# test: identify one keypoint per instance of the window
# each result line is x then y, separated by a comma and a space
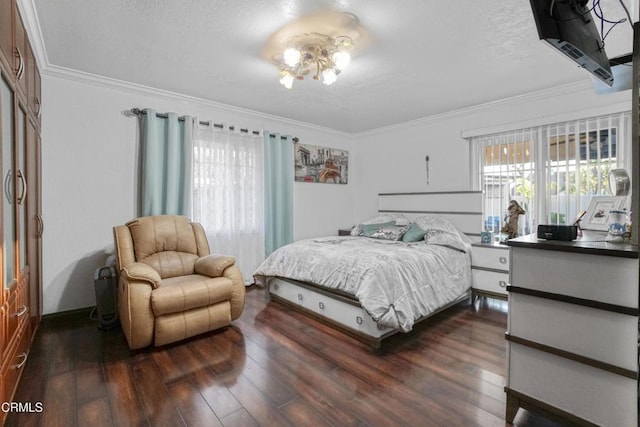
570, 162
228, 193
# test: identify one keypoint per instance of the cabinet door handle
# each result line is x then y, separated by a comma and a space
24, 360
7, 187
20, 70
503, 260
38, 107
502, 284
24, 187
22, 311
39, 225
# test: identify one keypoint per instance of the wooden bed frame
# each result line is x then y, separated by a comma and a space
343, 312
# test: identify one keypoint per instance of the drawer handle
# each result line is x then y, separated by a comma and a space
503, 260
22, 311
276, 286
359, 320
24, 360
502, 284
321, 305
300, 297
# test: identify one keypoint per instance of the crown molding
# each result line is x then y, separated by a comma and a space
527, 97
32, 27
110, 83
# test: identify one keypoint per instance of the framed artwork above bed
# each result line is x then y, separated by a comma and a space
314, 163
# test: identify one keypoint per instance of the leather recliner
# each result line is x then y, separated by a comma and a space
170, 287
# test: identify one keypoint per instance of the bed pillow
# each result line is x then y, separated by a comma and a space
435, 222
368, 229
440, 231
413, 234
394, 232
445, 238
398, 219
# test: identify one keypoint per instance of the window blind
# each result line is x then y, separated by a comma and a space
552, 170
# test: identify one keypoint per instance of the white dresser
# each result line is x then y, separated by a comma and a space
490, 269
572, 331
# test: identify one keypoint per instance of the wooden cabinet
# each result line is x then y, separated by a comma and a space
34, 88
6, 33
21, 223
20, 51
572, 330
490, 269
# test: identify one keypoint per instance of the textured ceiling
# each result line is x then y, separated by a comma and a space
421, 57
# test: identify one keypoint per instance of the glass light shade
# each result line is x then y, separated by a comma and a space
286, 79
292, 56
341, 59
329, 76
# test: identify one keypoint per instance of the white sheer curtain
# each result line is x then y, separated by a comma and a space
228, 193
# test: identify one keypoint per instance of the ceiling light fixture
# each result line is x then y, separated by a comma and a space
322, 56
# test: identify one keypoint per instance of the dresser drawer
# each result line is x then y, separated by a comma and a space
488, 256
598, 396
596, 334
343, 313
11, 307
606, 279
16, 360
490, 281
17, 310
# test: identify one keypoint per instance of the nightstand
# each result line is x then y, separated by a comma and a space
344, 232
490, 269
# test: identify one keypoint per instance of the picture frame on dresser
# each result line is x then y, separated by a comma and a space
597, 216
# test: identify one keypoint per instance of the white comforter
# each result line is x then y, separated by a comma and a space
395, 282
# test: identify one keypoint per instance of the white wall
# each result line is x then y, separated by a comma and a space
89, 158
393, 159
89, 173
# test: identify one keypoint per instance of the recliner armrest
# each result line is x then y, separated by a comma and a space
213, 265
144, 272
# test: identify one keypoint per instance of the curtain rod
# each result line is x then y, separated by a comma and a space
138, 111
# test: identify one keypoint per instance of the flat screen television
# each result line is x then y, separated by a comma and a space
568, 26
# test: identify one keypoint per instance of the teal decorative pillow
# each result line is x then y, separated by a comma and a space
413, 234
368, 229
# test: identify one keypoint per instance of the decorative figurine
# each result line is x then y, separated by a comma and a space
510, 227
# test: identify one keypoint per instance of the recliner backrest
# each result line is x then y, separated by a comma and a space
170, 244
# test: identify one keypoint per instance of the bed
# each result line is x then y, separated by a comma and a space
384, 277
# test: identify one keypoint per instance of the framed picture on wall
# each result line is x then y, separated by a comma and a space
597, 216
321, 164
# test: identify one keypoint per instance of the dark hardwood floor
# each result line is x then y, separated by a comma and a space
273, 367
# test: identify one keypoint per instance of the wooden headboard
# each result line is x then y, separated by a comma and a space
462, 208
